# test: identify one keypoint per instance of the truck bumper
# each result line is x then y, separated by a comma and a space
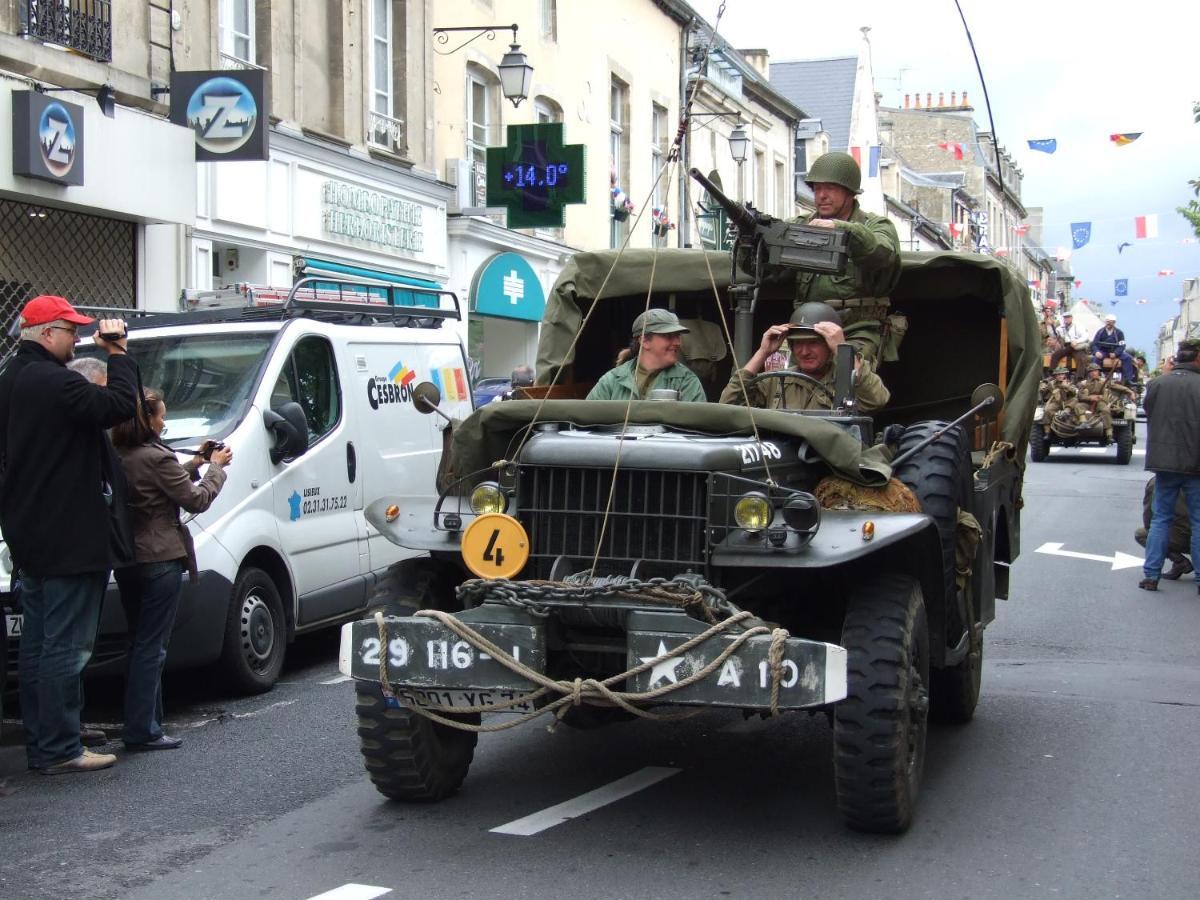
426, 663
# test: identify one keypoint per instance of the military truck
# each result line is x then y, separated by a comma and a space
1067, 428
593, 560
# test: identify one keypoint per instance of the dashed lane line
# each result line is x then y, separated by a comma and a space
353, 892
586, 803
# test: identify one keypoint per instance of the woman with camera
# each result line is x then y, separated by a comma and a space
159, 487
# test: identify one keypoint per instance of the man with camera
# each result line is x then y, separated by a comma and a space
55, 515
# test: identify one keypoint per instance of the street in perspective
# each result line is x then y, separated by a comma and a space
672, 449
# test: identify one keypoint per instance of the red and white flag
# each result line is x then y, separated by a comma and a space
1022, 229
1146, 226
956, 229
1166, 271
953, 147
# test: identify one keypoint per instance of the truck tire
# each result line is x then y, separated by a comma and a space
255, 634
407, 756
954, 690
1124, 436
1038, 444
879, 729
939, 476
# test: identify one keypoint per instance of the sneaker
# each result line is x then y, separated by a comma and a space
1180, 566
85, 762
94, 737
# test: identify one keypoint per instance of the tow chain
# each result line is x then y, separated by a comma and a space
590, 691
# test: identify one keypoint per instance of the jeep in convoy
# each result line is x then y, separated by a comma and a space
592, 560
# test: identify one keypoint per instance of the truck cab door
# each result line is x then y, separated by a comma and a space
318, 495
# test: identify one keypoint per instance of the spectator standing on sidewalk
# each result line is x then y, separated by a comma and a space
54, 512
158, 488
1173, 453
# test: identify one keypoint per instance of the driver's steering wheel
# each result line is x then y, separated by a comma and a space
792, 373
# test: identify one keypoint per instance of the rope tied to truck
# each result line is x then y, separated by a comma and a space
589, 691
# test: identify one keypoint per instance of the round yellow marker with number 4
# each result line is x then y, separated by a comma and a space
495, 546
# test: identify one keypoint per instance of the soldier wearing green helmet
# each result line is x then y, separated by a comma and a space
862, 294
813, 333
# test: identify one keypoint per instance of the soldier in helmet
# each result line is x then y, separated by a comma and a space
861, 295
1092, 398
814, 333
653, 362
1063, 395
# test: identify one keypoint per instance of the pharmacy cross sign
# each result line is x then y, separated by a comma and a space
535, 175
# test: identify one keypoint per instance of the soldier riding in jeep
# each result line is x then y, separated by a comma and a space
589, 560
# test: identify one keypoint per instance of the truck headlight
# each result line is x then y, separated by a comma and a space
752, 512
488, 498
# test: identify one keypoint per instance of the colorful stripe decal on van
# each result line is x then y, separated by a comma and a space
401, 374
452, 383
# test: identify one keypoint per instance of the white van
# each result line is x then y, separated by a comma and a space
315, 399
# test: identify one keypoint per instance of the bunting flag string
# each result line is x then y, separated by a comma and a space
1124, 138
1145, 226
1165, 272
1044, 145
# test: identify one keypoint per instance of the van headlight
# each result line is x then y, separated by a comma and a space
753, 512
488, 498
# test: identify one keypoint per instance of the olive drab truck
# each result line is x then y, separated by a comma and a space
592, 560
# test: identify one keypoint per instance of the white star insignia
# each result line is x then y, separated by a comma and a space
666, 668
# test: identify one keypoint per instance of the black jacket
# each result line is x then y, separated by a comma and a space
1173, 421
1102, 342
52, 420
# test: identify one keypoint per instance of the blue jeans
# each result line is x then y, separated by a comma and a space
150, 596
1167, 486
62, 616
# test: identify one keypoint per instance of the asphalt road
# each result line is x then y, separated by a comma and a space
1077, 778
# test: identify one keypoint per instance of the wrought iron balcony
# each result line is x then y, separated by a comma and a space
386, 131
230, 63
84, 26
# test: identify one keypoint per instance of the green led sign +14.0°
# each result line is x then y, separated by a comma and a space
535, 175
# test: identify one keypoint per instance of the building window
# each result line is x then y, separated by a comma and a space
760, 179
782, 207
658, 152
618, 136
384, 129
546, 110
549, 19
237, 32
481, 101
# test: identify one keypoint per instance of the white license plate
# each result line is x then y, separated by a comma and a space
15, 621
451, 698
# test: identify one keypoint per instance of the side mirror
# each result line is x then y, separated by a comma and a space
290, 428
993, 397
426, 398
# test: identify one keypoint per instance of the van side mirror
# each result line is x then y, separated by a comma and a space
290, 428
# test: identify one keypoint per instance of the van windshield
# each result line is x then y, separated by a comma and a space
206, 379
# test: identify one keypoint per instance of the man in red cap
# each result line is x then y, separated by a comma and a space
54, 513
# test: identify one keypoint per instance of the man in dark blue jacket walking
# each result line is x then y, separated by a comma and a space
54, 513
1173, 453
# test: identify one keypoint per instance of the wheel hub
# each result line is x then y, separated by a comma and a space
258, 630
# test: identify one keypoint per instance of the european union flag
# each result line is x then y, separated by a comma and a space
1121, 287
1046, 145
1081, 233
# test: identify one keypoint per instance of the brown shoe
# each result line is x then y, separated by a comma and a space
1179, 567
92, 737
85, 762
1148, 584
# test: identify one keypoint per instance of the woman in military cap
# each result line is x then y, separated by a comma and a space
653, 362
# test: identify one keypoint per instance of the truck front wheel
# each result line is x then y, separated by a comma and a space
879, 729
1124, 435
407, 756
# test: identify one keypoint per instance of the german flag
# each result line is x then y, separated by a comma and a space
1126, 138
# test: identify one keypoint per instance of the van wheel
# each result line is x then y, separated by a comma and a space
255, 634
407, 756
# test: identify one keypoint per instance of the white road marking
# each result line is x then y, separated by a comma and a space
1118, 560
353, 892
244, 715
586, 803
338, 680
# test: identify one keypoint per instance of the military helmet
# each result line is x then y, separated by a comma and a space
1062, 370
836, 168
807, 315
1093, 367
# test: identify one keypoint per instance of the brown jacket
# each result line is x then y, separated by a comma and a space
158, 488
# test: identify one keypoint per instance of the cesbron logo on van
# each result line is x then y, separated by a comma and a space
395, 388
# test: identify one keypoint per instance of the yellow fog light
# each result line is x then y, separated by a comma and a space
752, 512
488, 498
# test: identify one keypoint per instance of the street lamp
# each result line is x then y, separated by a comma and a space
516, 74
739, 143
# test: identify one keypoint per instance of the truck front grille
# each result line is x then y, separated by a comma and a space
656, 516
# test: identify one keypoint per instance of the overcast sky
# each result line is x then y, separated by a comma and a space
1067, 69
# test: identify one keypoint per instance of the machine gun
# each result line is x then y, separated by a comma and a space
767, 245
